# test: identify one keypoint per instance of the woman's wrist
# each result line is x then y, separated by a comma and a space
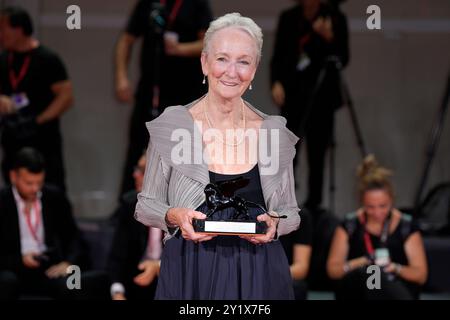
354, 264
170, 219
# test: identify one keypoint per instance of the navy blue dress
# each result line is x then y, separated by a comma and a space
226, 267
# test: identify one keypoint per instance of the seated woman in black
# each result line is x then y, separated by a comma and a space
377, 234
298, 248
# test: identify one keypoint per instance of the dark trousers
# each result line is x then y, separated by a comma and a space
354, 287
34, 284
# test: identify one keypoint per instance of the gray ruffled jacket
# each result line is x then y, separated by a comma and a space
170, 184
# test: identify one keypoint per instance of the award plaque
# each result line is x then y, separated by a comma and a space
220, 196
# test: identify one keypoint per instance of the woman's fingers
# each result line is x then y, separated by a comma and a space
263, 238
188, 231
206, 238
258, 239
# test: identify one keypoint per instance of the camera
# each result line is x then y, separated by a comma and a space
42, 258
158, 18
18, 129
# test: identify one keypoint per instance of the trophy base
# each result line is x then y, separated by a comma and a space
229, 227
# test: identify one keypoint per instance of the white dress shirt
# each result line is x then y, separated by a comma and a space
31, 240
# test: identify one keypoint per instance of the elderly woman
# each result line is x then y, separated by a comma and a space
201, 266
377, 234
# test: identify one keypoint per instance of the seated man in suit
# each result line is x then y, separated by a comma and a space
39, 239
136, 248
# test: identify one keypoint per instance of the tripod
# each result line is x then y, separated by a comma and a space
346, 101
431, 150
157, 24
334, 63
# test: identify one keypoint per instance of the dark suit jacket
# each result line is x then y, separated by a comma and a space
129, 242
62, 236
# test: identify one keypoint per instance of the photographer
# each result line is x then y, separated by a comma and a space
172, 34
377, 234
34, 93
307, 35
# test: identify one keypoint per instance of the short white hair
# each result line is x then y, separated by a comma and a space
235, 20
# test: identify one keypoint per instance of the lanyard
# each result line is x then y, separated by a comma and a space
15, 80
303, 41
174, 12
33, 228
383, 238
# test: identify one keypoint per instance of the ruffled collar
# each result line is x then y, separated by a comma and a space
176, 124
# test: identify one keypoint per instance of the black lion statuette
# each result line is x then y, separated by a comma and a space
221, 195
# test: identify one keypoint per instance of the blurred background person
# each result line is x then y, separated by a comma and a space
136, 249
298, 247
307, 36
34, 93
170, 73
39, 238
377, 233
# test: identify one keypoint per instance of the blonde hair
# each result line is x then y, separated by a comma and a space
372, 176
235, 20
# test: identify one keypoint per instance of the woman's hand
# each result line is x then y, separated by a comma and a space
269, 235
392, 267
182, 217
357, 263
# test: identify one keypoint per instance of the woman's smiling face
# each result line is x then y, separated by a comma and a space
230, 62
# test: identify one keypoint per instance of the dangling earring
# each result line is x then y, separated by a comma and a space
204, 79
250, 87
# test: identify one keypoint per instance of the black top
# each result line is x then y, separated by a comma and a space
395, 241
251, 192
293, 28
45, 69
303, 235
193, 16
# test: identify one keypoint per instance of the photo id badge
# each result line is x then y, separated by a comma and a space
382, 257
303, 62
20, 100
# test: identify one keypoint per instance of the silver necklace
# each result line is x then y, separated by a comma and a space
221, 140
